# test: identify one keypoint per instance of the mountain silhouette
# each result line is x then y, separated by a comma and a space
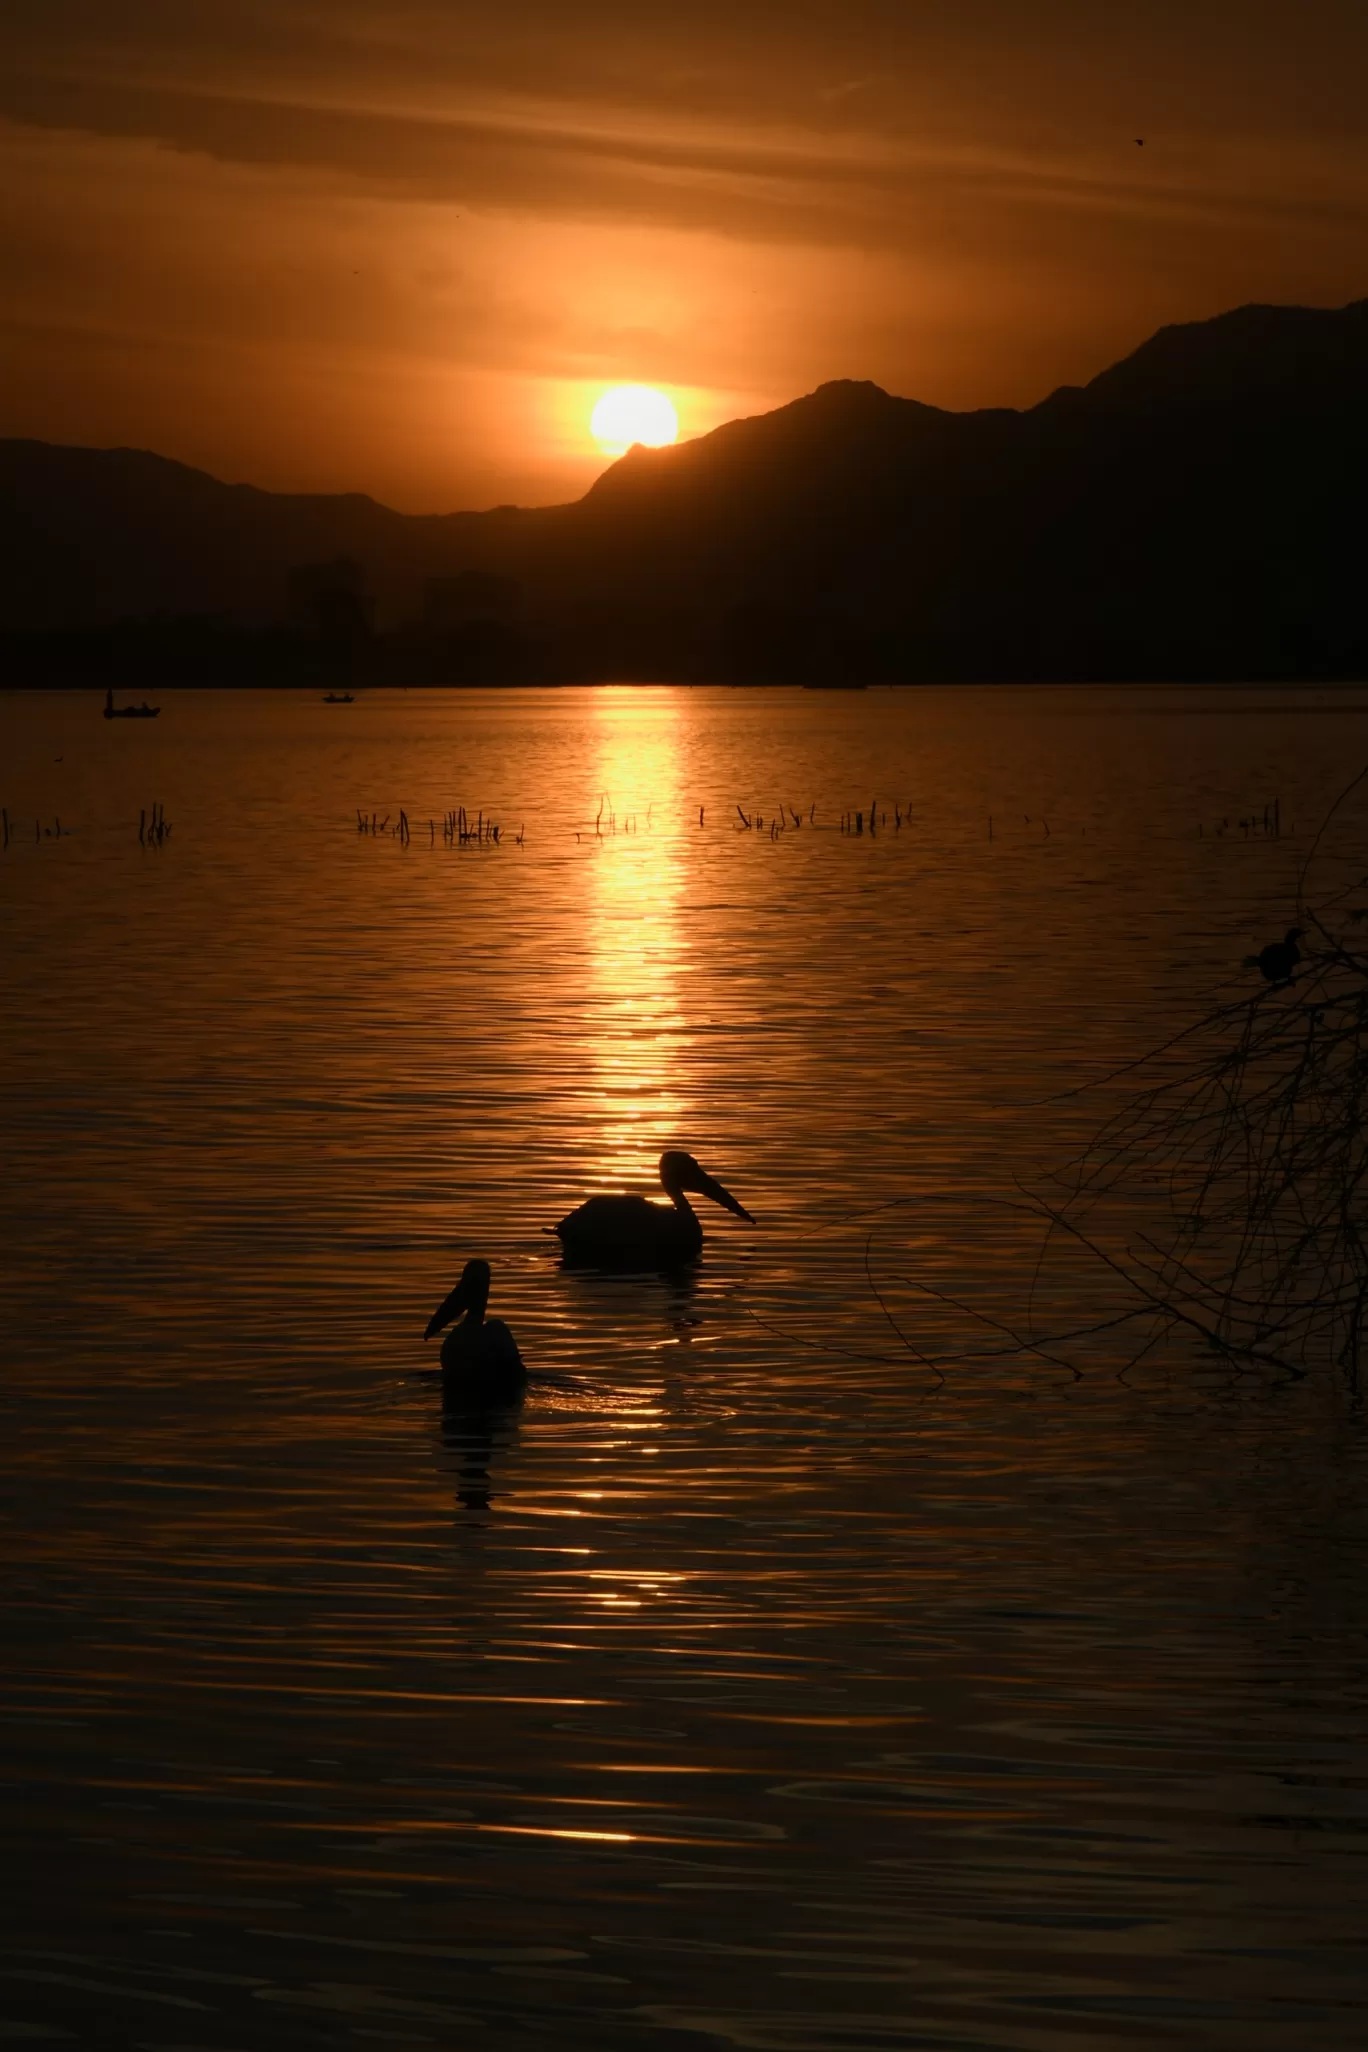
1196, 511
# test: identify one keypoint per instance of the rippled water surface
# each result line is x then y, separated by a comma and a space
794, 1670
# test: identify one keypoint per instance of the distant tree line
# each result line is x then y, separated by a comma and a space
477, 627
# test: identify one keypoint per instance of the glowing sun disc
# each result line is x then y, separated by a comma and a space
633, 413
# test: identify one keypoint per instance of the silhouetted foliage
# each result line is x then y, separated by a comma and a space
473, 597
1246, 1143
329, 600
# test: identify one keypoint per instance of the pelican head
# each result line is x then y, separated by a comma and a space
470, 1295
680, 1172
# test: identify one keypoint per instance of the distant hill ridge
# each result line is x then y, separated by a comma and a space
1197, 510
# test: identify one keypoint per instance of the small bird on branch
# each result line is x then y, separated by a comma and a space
1276, 962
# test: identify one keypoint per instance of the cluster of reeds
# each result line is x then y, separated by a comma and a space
153, 826
755, 822
855, 822
1026, 821
55, 832
1265, 825
606, 820
785, 816
460, 829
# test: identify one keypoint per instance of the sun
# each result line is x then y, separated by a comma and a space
633, 413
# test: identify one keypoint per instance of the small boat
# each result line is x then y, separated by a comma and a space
338, 698
129, 712
480, 1359
631, 1232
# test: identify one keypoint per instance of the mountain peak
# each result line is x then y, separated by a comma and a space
850, 392
1238, 356
1197, 510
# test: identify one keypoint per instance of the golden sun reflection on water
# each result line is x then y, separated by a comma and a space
635, 949
746, 1624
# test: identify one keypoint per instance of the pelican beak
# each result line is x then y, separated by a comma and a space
451, 1307
708, 1186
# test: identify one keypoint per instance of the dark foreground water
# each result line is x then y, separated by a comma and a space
789, 1673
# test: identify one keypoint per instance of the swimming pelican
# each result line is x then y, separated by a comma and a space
633, 1232
480, 1355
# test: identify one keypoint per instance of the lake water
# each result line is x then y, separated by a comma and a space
776, 1678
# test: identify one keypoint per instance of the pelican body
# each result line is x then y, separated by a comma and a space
480, 1357
634, 1232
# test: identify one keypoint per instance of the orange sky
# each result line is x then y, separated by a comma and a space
346, 245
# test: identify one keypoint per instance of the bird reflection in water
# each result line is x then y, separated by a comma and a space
475, 1435
603, 1297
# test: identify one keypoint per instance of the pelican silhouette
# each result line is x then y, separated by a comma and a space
1277, 961
481, 1355
633, 1232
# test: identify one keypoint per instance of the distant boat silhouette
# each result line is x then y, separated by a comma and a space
129, 712
1277, 961
630, 1232
480, 1358
338, 698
